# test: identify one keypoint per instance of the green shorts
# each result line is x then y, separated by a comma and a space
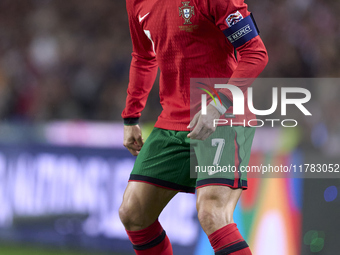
170, 160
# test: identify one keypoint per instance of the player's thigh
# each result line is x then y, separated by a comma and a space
147, 198
142, 204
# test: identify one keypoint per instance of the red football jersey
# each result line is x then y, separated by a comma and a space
185, 40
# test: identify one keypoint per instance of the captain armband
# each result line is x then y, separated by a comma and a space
242, 32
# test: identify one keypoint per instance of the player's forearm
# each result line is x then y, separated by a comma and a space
143, 73
253, 59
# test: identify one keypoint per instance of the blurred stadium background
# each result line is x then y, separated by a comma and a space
63, 77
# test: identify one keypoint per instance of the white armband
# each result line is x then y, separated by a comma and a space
220, 108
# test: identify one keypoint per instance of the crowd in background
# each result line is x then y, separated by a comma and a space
63, 60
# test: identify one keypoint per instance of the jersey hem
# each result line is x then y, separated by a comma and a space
172, 126
169, 125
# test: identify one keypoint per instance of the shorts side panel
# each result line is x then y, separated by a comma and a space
244, 140
221, 156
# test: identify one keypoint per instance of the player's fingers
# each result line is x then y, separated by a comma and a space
133, 146
205, 135
205, 132
134, 152
128, 141
139, 141
201, 134
194, 120
195, 132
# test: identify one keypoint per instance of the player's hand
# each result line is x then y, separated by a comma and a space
203, 124
133, 140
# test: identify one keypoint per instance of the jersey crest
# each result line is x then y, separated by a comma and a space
186, 12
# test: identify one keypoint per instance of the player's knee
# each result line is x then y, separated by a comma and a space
207, 218
130, 217
124, 214
212, 212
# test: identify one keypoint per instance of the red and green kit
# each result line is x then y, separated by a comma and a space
184, 40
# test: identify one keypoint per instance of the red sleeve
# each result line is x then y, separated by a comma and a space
252, 56
253, 59
143, 68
